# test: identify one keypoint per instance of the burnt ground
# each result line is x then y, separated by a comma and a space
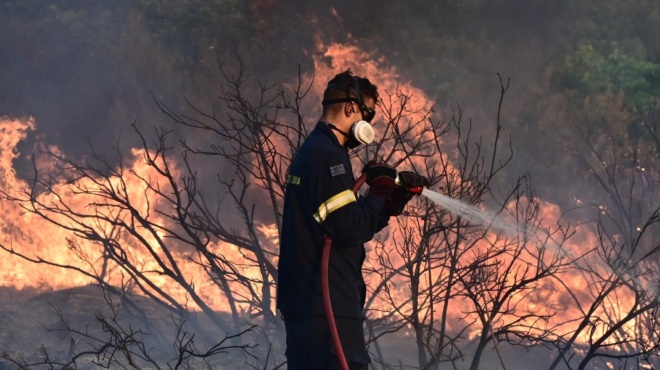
34, 324
31, 323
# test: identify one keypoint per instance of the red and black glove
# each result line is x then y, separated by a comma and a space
381, 179
402, 195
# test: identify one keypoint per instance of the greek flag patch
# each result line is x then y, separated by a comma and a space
337, 170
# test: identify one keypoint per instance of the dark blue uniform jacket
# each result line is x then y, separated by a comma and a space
319, 201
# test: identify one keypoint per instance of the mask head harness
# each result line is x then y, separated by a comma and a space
361, 132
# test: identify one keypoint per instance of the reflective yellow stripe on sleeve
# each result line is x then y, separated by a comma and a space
333, 204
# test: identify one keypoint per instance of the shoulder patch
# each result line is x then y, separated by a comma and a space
293, 180
337, 170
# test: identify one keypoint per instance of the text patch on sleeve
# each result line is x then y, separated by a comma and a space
337, 170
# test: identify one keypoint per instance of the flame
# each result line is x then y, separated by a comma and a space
36, 238
24, 230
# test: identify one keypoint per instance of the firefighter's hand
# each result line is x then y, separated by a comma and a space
410, 180
397, 202
381, 179
403, 194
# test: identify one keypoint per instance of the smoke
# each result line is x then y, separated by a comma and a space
86, 71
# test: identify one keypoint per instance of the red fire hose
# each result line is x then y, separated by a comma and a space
325, 283
325, 288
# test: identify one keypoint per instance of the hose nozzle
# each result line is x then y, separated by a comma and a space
412, 182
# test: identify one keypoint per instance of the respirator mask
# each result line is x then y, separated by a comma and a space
361, 131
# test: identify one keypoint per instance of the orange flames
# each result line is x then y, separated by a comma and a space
36, 238
25, 231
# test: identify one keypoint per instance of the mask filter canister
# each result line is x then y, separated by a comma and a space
363, 132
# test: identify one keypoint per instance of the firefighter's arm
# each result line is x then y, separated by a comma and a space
341, 216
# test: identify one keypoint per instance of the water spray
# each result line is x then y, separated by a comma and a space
469, 212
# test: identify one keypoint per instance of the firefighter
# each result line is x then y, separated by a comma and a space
319, 202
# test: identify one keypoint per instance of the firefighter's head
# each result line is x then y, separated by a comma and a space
349, 105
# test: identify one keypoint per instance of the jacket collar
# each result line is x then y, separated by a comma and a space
324, 128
